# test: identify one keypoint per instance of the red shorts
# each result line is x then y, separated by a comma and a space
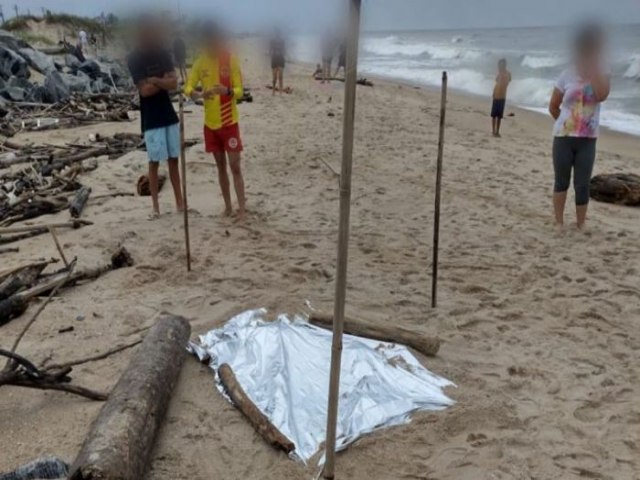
225, 139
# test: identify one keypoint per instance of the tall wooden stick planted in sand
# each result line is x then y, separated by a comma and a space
183, 165
436, 217
351, 78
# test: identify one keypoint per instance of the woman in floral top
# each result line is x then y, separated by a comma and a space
575, 105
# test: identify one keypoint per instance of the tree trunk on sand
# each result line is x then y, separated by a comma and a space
424, 344
121, 438
619, 188
258, 420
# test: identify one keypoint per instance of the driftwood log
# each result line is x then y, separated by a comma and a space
258, 420
618, 188
121, 438
79, 201
424, 344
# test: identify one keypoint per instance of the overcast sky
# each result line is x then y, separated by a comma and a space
378, 14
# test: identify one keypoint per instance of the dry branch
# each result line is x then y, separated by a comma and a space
258, 420
424, 344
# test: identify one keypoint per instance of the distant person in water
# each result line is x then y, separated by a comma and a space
277, 50
575, 105
342, 59
153, 73
217, 72
180, 56
503, 79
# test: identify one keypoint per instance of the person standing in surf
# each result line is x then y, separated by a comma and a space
217, 72
575, 106
503, 79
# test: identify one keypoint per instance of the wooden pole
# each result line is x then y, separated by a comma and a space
183, 164
351, 77
436, 217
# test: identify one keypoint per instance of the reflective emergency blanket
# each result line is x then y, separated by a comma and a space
283, 366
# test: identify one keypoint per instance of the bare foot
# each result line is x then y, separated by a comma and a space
228, 212
241, 215
559, 228
155, 215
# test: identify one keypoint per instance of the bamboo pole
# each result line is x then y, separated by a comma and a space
436, 217
351, 77
183, 164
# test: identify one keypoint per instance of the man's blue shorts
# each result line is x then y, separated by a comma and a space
163, 143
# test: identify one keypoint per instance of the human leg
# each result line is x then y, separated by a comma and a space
563, 159
582, 172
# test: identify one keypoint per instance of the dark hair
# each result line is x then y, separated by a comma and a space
502, 61
588, 38
211, 31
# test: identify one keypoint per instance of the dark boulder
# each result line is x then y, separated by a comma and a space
14, 94
57, 88
12, 64
37, 60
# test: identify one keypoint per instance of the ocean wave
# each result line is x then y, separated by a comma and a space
536, 62
633, 71
392, 46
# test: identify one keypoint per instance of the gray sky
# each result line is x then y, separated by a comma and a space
378, 14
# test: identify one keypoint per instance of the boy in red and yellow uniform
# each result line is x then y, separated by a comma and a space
217, 71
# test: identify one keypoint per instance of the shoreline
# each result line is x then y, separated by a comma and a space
607, 134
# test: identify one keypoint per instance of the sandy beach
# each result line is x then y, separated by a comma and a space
540, 330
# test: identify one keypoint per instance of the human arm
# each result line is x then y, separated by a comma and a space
601, 84
168, 82
193, 79
556, 101
237, 89
145, 88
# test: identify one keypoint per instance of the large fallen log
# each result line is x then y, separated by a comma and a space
258, 420
617, 188
120, 440
422, 343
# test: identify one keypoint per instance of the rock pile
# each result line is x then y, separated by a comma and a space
63, 76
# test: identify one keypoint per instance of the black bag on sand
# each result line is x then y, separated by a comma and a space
49, 468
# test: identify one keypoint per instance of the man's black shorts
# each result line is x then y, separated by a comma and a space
497, 110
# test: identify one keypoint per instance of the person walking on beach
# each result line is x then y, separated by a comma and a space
277, 50
180, 56
575, 105
217, 71
153, 73
503, 79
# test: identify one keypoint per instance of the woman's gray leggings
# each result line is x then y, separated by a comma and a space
577, 154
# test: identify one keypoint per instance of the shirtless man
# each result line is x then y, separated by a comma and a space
500, 96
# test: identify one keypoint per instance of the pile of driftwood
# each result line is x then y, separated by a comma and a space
49, 183
21, 285
79, 109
